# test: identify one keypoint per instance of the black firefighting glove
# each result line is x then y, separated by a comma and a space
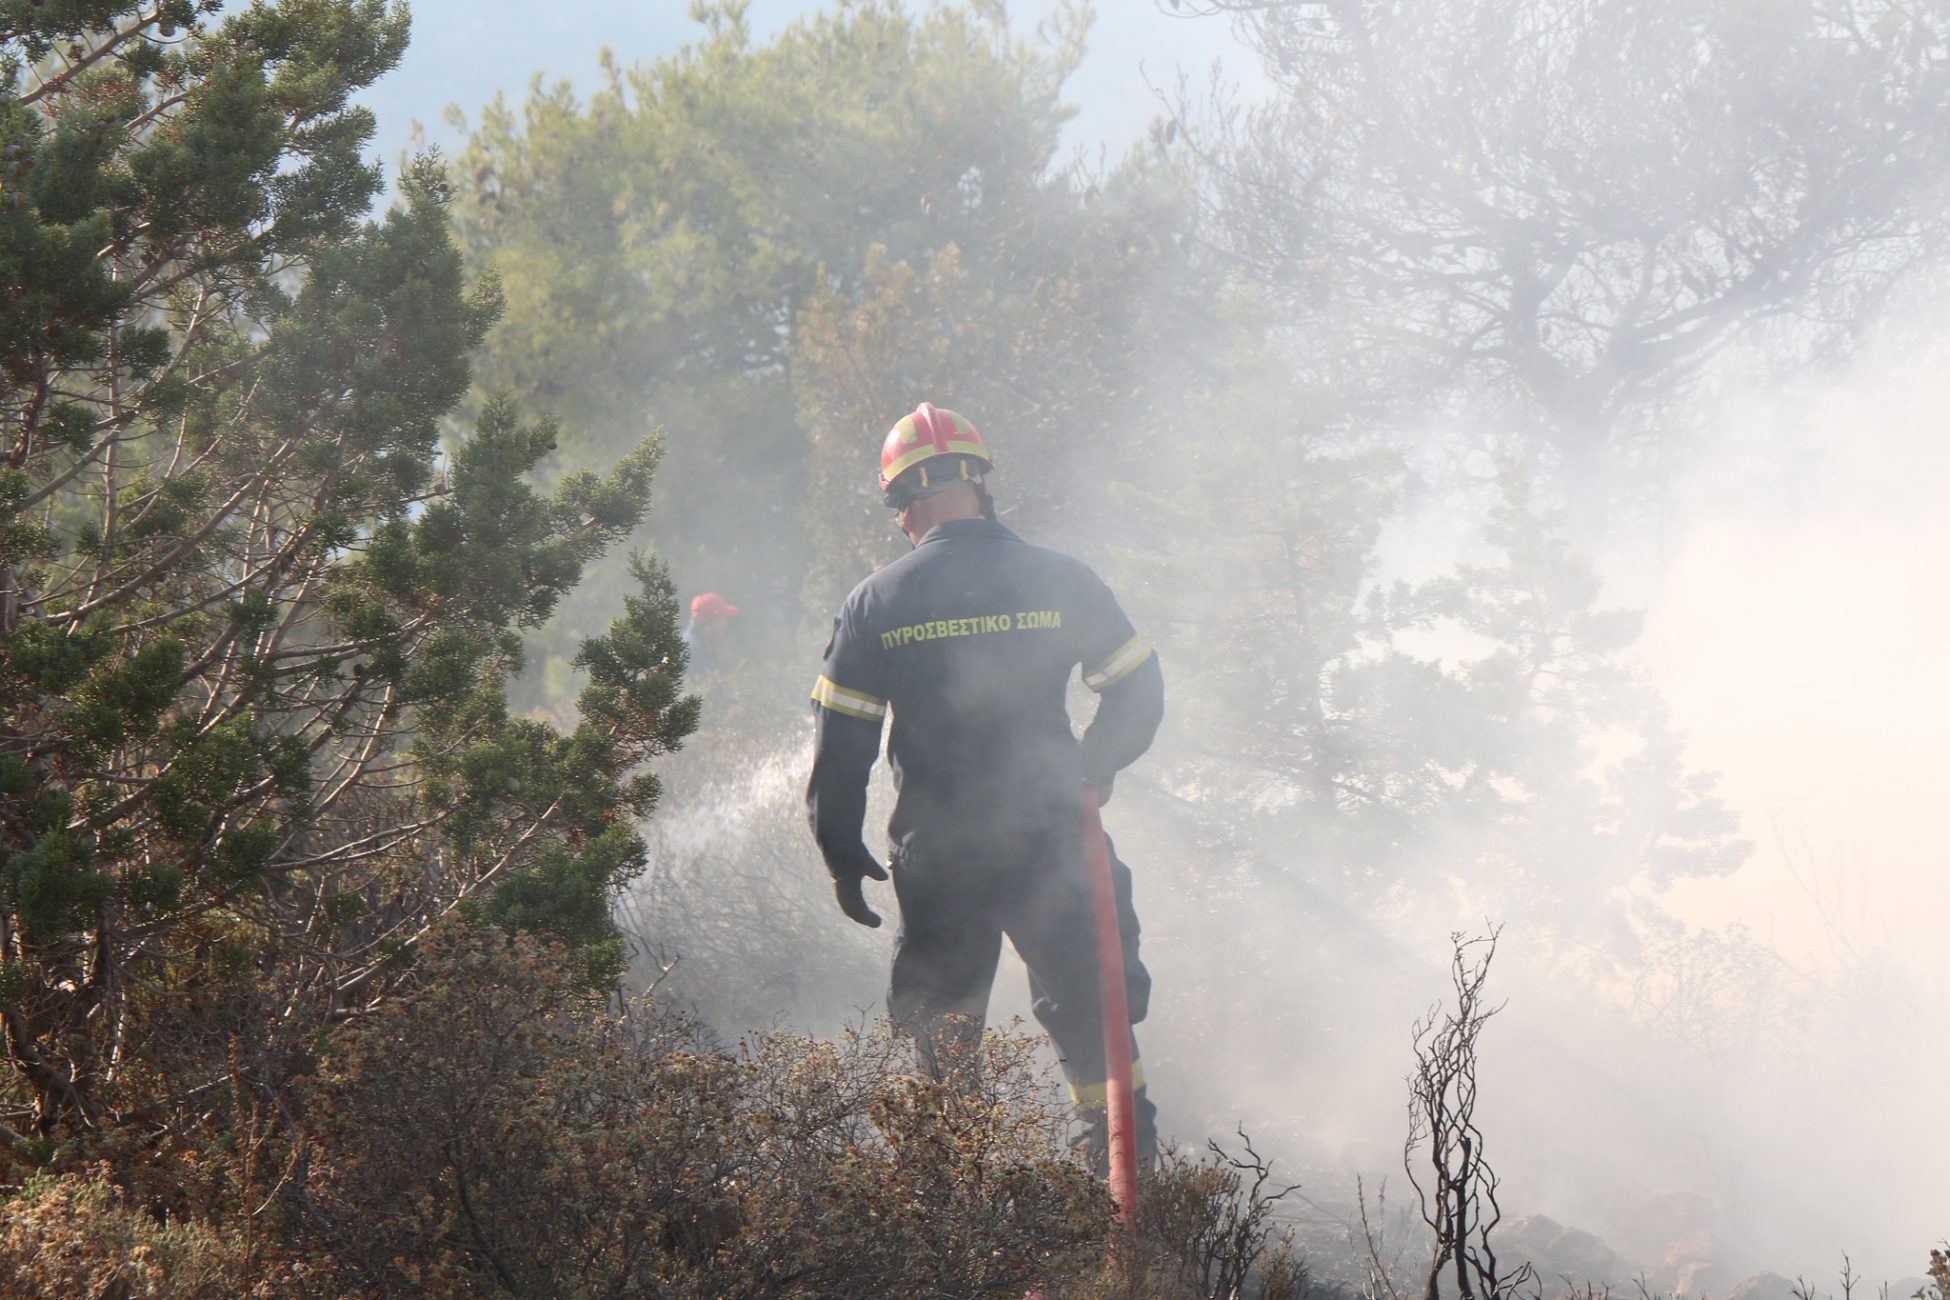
848, 888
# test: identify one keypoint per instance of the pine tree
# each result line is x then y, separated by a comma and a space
661, 238
254, 620
1546, 225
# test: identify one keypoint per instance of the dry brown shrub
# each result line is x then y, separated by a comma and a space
477, 1138
77, 1235
491, 1132
1212, 1231
1207, 1230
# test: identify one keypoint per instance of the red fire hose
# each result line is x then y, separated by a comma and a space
1117, 1019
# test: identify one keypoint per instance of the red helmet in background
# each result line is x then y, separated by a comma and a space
712, 605
912, 456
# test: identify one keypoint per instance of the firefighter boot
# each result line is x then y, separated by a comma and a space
1090, 1134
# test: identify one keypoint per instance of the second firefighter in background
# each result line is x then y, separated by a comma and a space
968, 643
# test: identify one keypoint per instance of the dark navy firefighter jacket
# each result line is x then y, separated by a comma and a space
968, 642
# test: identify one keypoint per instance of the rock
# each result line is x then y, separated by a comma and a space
1532, 1234
1560, 1255
1582, 1257
1703, 1278
1527, 1240
1693, 1248
1763, 1286
1695, 1265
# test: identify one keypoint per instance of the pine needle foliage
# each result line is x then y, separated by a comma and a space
255, 618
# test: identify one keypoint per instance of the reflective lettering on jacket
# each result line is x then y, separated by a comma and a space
1049, 620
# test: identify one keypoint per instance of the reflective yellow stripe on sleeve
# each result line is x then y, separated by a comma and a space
857, 704
1097, 1094
1118, 663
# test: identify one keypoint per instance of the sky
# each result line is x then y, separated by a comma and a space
463, 51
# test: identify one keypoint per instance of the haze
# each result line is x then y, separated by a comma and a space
1775, 509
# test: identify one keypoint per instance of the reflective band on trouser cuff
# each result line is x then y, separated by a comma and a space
1119, 662
1098, 1094
839, 699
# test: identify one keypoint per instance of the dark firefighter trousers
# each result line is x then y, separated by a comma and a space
956, 906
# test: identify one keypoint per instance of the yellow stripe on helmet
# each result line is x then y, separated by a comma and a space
926, 450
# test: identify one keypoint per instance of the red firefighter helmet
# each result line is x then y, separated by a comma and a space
921, 437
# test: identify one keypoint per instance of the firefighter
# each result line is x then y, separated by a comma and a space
710, 614
968, 643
